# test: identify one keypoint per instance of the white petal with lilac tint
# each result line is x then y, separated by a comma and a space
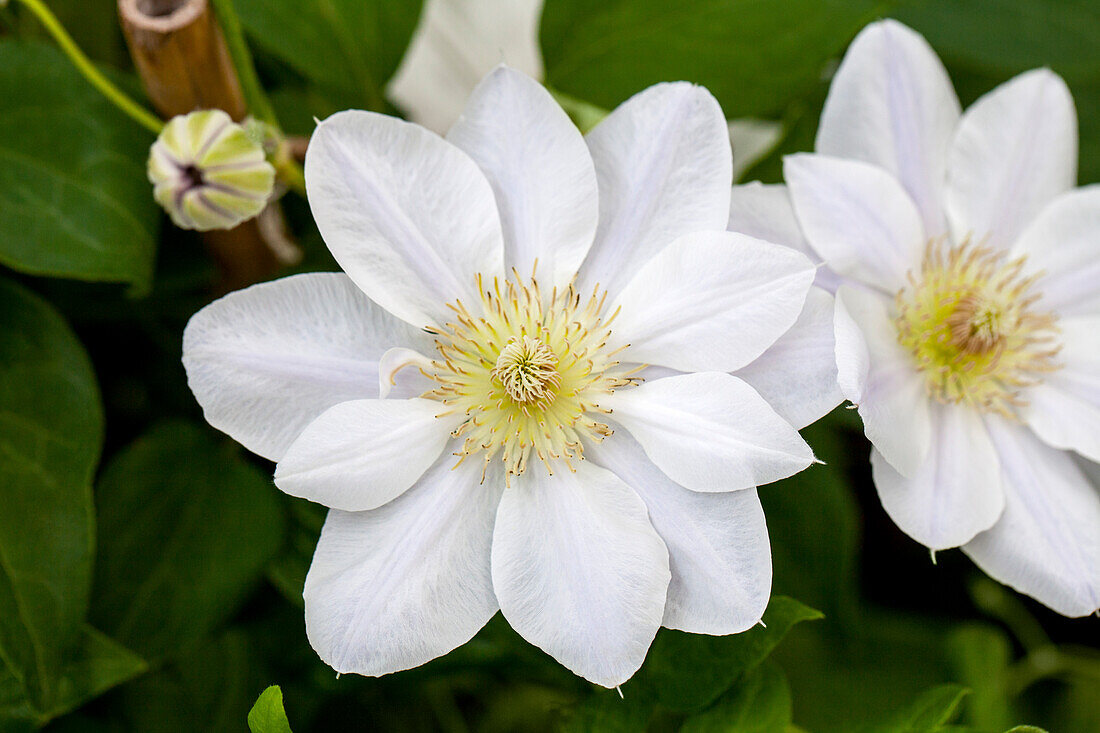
579, 570
717, 544
398, 586
956, 492
408, 216
710, 431
711, 301
1063, 242
765, 211
457, 42
857, 217
881, 378
1047, 542
891, 104
797, 374
359, 455
264, 362
540, 170
664, 168
1015, 151
1064, 409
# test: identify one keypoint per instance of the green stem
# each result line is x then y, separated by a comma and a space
84, 65
254, 95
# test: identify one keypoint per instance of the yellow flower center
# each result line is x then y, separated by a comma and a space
968, 319
527, 371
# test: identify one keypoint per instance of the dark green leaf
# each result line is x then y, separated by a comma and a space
268, 715
980, 655
605, 711
186, 527
759, 703
74, 198
351, 47
1025, 729
927, 714
100, 664
754, 55
51, 431
688, 671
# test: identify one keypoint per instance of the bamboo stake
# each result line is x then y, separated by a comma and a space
184, 63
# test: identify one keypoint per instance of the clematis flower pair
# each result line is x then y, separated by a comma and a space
967, 277
533, 390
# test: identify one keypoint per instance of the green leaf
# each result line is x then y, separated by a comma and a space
74, 198
100, 664
754, 55
927, 714
980, 655
268, 715
759, 703
186, 528
689, 671
51, 431
1025, 729
350, 47
604, 711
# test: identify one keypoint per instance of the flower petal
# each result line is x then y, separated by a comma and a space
396, 587
710, 431
1015, 150
891, 104
540, 170
457, 42
359, 455
664, 168
1047, 542
797, 374
579, 570
408, 216
857, 217
1064, 409
717, 544
879, 377
711, 301
1063, 242
265, 361
956, 492
765, 211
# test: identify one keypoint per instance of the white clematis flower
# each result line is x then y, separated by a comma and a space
469, 398
457, 42
968, 309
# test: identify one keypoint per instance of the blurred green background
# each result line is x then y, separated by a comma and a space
151, 573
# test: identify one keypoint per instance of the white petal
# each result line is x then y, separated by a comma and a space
265, 361
710, 431
1016, 149
711, 301
857, 217
751, 140
540, 170
765, 211
797, 374
408, 216
876, 374
717, 544
1063, 242
1064, 409
579, 570
393, 588
891, 104
457, 42
664, 168
393, 361
956, 492
1047, 543
359, 455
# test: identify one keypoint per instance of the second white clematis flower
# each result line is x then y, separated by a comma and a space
968, 319
469, 397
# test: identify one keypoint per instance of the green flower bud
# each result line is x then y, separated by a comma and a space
208, 173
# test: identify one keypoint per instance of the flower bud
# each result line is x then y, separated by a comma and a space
208, 173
